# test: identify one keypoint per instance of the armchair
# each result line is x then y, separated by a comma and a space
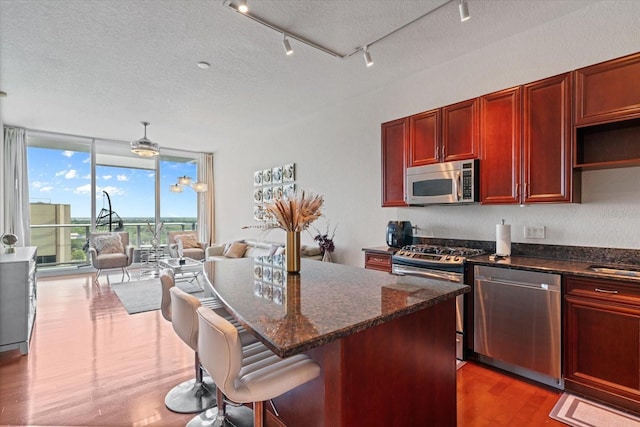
109, 251
191, 247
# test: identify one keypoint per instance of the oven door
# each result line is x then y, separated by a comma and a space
408, 270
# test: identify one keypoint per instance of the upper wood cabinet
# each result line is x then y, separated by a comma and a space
607, 118
444, 134
609, 91
460, 128
394, 146
546, 136
526, 151
424, 138
500, 147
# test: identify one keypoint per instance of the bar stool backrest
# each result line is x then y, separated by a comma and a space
220, 350
184, 317
167, 281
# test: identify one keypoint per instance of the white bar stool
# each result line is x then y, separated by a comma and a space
197, 394
250, 374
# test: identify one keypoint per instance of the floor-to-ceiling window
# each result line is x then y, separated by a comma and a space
82, 184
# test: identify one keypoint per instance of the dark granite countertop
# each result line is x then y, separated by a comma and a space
549, 265
325, 302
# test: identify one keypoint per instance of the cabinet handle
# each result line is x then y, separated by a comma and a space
444, 152
437, 153
606, 291
517, 191
526, 190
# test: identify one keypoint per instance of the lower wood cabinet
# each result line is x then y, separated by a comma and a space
377, 261
602, 340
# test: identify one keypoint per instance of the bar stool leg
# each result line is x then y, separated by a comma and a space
223, 415
192, 396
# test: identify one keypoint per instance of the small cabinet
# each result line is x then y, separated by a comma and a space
18, 298
526, 144
444, 134
609, 91
377, 261
394, 136
460, 129
602, 340
607, 114
424, 138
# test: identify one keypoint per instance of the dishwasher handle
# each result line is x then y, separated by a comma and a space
543, 286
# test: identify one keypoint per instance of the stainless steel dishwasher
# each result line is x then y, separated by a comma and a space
517, 324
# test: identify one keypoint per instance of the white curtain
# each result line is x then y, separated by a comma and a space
206, 200
15, 185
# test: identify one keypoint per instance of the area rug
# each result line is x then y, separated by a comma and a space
138, 296
579, 412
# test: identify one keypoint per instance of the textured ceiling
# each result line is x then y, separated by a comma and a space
98, 68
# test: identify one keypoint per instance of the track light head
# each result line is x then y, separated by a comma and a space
242, 6
287, 46
464, 11
367, 57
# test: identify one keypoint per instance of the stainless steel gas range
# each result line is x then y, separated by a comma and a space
437, 262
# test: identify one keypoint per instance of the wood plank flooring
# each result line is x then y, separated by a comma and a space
92, 364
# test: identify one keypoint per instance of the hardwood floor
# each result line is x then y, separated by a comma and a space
92, 364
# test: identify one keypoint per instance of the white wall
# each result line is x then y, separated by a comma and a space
337, 151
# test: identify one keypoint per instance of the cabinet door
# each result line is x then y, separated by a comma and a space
394, 138
500, 162
602, 341
460, 130
609, 91
424, 131
547, 144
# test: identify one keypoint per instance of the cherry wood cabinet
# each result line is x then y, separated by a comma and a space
500, 144
526, 144
394, 145
602, 340
444, 134
547, 172
607, 114
460, 131
424, 138
377, 261
609, 91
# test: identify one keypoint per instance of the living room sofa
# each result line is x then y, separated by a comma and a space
253, 248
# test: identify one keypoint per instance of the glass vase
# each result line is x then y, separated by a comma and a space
293, 251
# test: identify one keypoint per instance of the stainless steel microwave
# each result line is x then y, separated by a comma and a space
443, 183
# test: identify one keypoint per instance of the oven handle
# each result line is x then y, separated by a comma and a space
452, 277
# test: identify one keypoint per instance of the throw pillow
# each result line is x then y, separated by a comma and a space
108, 244
189, 241
236, 250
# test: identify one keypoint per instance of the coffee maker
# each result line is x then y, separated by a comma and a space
399, 233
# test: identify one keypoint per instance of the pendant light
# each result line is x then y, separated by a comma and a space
143, 146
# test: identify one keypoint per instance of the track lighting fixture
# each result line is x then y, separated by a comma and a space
287, 45
464, 11
242, 6
367, 57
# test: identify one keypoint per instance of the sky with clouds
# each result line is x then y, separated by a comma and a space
64, 177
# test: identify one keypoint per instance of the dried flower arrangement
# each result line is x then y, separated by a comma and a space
296, 212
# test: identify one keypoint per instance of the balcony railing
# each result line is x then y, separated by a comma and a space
65, 245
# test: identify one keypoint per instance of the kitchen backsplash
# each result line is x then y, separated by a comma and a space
560, 252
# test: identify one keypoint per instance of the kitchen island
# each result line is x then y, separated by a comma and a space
384, 342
